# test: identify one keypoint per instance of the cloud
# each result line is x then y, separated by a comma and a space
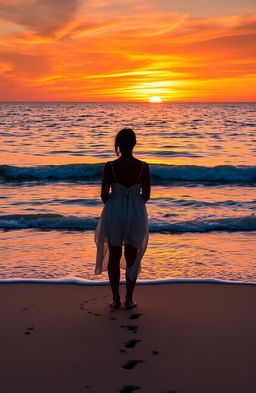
22, 65
41, 16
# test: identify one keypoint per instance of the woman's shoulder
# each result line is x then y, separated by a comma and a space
116, 162
144, 163
144, 167
109, 164
107, 169
140, 162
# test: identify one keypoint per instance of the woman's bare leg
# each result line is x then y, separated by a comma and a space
130, 254
115, 253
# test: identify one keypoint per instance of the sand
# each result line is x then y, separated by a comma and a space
183, 338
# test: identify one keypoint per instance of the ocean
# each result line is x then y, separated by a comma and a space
202, 209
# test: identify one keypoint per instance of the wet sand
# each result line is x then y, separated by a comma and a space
182, 338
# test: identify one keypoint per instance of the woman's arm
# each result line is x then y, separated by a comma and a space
106, 182
146, 183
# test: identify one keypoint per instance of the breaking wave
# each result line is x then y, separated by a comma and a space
160, 173
74, 223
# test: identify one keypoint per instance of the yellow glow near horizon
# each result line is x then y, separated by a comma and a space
155, 99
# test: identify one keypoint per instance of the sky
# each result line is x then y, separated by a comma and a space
129, 50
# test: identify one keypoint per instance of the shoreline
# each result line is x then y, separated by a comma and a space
80, 281
182, 338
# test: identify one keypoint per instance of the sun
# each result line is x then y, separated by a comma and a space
155, 99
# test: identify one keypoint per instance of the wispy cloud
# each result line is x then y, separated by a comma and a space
41, 16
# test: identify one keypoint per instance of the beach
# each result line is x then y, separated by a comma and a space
182, 338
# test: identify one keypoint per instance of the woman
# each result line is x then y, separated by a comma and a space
123, 221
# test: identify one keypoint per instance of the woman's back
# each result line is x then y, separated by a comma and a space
127, 171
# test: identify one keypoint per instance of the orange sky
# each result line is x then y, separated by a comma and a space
129, 50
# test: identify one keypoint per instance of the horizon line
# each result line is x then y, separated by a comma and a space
133, 102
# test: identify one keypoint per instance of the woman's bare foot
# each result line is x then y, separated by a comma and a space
130, 304
115, 304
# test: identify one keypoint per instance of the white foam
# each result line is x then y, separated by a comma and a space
80, 281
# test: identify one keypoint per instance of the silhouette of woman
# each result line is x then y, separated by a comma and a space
123, 221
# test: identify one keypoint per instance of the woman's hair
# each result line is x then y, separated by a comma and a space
125, 141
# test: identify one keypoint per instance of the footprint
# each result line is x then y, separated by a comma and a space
29, 330
129, 389
135, 316
131, 343
82, 306
131, 328
131, 364
27, 308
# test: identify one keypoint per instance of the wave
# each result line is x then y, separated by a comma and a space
229, 224
47, 222
74, 223
160, 173
196, 173
81, 281
52, 172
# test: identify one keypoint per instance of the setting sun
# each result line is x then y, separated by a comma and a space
155, 99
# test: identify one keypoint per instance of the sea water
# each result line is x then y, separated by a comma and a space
202, 158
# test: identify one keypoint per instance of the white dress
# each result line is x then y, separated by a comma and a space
123, 221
